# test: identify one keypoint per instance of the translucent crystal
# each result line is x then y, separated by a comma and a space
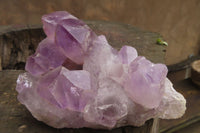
76, 79
47, 56
145, 82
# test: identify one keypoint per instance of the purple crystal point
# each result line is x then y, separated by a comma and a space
64, 89
145, 82
127, 54
51, 20
75, 37
47, 56
76, 79
103, 59
71, 34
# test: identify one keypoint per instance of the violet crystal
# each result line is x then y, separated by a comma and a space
76, 79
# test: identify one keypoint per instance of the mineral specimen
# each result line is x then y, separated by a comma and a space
76, 79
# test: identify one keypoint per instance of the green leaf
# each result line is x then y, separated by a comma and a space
161, 42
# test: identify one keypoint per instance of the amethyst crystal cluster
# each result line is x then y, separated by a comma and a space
76, 79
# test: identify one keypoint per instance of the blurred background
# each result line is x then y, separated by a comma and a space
178, 21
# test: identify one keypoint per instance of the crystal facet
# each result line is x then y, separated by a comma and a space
145, 79
76, 79
47, 56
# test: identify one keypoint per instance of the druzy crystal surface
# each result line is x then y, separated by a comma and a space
76, 79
